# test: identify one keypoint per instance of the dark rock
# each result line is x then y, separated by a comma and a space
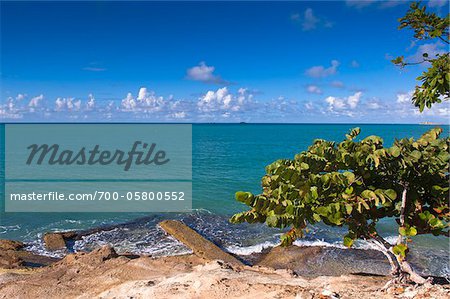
317, 261
10, 245
69, 235
290, 257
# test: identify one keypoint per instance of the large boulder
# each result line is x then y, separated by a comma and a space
54, 241
200, 246
57, 240
320, 260
11, 245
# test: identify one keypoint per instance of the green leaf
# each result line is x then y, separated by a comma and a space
272, 221
350, 176
407, 231
243, 197
353, 133
395, 151
348, 242
416, 155
304, 166
323, 211
391, 194
314, 193
400, 250
348, 208
412, 232
316, 217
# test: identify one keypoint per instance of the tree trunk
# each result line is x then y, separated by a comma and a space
384, 247
400, 269
402, 213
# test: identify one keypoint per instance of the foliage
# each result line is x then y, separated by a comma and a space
435, 81
355, 184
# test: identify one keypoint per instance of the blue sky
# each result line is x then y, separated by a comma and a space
210, 62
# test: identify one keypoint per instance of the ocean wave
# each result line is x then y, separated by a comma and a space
8, 228
249, 250
258, 248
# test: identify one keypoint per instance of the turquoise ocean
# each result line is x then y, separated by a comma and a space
226, 158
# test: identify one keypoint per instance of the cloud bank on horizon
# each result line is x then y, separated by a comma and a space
220, 105
287, 62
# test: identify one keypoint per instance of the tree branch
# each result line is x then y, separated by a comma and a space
444, 40
402, 212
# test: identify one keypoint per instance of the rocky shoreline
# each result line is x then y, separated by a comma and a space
292, 272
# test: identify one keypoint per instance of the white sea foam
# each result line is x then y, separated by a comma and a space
258, 248
8, 228
248, 250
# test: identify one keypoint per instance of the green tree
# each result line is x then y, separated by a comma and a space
355, 184
435, 81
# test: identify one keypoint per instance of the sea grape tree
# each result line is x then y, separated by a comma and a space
354, 184
434, 84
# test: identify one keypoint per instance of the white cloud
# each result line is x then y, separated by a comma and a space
204, 73
314, 89
354, 64
94, 69
309, 21
353, 100
374, 104
437, 3
309, 105
337, 83
321, 71
67, 104
343, 105
432, 49
359, 3
143, 93
222, 99
20, 96
128, 103
404, 109
146, 101
91, 102
76, 106
179, 115
35, 101
334, 102
444, 111
404, 97
60, 103
222, 104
